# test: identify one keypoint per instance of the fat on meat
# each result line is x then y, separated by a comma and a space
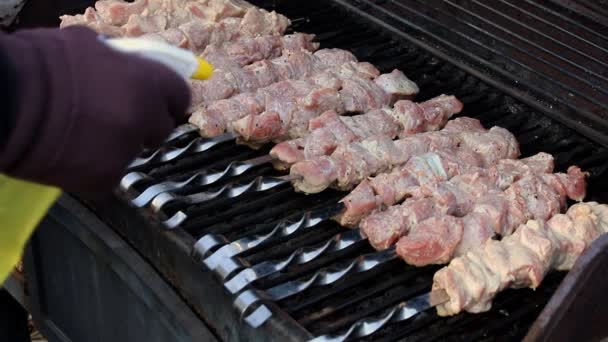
531, 194
278, 98
293, 124
447, 140
521, 259
476, 194
329, 130
391, 188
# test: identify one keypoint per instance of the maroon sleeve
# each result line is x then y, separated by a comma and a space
8, 82
83, 111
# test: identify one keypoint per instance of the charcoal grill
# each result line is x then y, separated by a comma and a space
538, 69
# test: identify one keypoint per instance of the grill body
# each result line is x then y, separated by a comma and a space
534, 68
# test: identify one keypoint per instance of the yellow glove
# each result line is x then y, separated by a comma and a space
22, 206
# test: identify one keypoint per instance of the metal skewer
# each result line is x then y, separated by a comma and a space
398, 313
259, 184
299, 257
168, 153
285, 228
202, 178
181, 131
324, 276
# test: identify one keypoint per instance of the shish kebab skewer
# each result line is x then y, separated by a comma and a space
336, 88
350, 164
282, 110
405, 118
391, 188
236, 58
251, 63
245, 51
294, 65
552, 188
232, 79
363, 159
495, 213
470, 282
499, 176
118, 12
435, 235
180, 27
521, 259
457, 195
452, 139
330, 80
216, 118
430, 197
209, 120
330, 130
366, 158
355, 94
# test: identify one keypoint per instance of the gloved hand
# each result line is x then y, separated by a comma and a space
84, 111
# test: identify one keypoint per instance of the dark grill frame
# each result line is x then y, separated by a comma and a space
493, 90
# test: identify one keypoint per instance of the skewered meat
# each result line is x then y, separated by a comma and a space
297, 100
244, 50
329, 130
118, 12
495, 212
197, 34
231, 80
91, 19
182, 28
257, 21
413, 179
232, 75
174, 12
350, 164
356, 95
215, 119
519, 260
457, 197
247, 50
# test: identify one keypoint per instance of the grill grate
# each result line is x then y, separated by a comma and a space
331, 308
560, 73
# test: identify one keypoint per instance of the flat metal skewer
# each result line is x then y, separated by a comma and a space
400, 312
202, 178
169, 153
